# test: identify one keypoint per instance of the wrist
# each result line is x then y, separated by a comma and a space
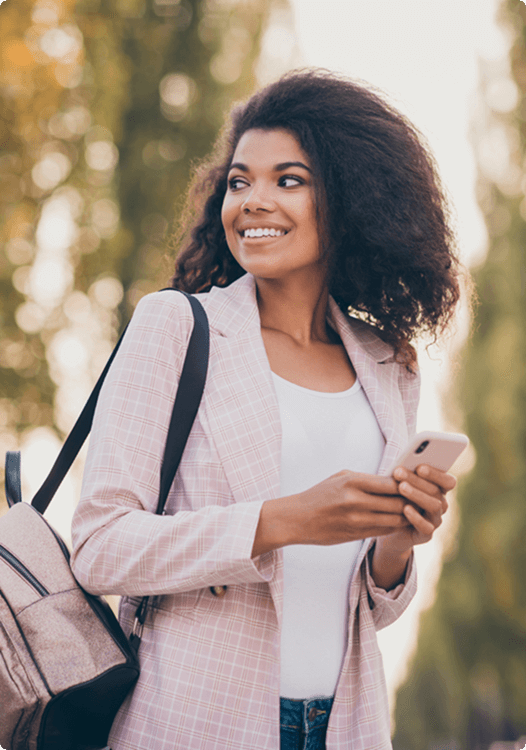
390, 545
388, 564
274, 528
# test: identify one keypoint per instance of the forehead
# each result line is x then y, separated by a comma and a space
269, 147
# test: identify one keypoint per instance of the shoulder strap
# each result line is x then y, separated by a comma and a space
13, 484
187, 400
185, 408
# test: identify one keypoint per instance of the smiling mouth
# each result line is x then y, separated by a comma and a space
260, 232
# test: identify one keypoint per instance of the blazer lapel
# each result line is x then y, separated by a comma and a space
378, 374
240, 404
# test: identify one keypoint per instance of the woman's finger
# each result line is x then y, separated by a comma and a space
404, 475
422, 524
386, 521
442, 479
368, 503
431, 504
373, 484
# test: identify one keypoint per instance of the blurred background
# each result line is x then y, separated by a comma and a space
104, 107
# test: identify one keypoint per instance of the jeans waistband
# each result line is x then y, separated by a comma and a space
305, 715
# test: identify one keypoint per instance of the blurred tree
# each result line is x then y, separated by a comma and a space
104, 106
29, 94
182, 63
467, 681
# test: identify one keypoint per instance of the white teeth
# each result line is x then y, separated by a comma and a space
260, 232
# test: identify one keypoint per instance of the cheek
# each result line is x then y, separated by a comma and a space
229, 212
227, 219
224, 216
305, 216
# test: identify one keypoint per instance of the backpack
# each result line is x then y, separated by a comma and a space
66, 666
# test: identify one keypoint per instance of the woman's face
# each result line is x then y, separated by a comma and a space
269, 212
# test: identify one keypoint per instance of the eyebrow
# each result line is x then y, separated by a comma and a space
277, 168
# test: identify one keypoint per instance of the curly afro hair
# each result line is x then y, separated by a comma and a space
382, 215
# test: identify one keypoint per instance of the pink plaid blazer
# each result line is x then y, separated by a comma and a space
210, 666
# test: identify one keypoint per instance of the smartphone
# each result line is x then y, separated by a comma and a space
438, 449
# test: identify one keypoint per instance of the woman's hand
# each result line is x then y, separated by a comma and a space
425, 489
345, 507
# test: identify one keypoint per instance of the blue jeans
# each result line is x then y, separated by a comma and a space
303, 724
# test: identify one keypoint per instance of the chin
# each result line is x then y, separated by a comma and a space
260, 268
266, 270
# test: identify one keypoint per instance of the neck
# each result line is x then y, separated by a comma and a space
297, 309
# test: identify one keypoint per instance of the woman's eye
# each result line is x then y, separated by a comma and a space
289, 180
235, 183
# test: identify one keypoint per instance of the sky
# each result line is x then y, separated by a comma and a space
425, 55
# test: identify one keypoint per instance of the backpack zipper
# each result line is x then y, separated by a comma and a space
26, 644
24, 572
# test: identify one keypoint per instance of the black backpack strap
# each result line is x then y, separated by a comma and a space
187, 400
13, 487
185, 408
73, 443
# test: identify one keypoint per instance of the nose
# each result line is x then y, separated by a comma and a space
259, 198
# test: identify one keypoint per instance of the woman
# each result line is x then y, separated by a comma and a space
284, 548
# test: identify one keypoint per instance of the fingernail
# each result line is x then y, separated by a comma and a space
399, 474
423, 471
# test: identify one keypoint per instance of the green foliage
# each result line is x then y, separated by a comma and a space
199, 57
466, 683
29, 92
104, 106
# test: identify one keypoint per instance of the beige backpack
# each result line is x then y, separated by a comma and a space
65, 664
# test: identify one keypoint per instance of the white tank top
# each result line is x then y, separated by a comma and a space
322, 433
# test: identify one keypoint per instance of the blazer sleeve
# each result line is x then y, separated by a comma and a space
387, 606
120, 546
